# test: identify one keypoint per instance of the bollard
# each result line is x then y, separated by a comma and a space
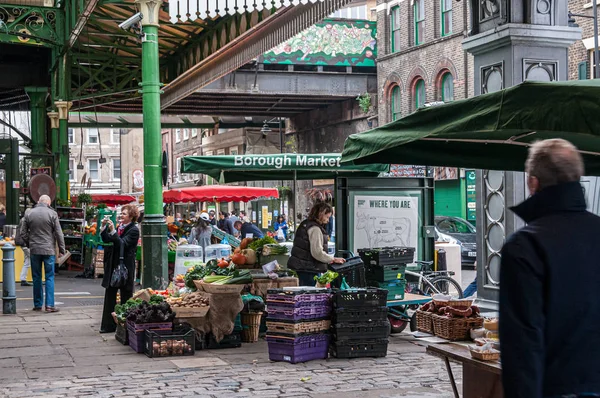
9, 294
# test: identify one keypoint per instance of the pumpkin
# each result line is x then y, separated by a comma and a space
238, 259
237, 250
223, 263
250, 256
245, 242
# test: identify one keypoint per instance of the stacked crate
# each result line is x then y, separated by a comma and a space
298, 324
386, 268
360, 326
98, 261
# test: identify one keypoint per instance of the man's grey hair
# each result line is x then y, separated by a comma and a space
45, 199
553, 162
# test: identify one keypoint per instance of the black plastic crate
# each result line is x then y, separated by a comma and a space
121, 334
361, 330
354, 298
233, 340
382, 256
353, 270
165, 343
386, 273
361, 314
359, 349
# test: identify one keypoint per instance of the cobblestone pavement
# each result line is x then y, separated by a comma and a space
62, 355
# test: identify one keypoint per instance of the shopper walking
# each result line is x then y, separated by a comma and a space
549, 283
124, 240
202, 232
280, 224
26, 253
41, 232
309, 254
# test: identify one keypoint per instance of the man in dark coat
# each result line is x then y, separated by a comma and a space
124, 241
247, 229
549, 283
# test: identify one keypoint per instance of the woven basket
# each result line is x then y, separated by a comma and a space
424, 321
463, 304
251, 326
440, 303
455, 329
485, 356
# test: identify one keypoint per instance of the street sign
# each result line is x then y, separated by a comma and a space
470, 178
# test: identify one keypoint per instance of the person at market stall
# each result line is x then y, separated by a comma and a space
211, 216
2, 217
226, 225
202, 232
309, 253
248, 230
549, 283
124, 240
281, 224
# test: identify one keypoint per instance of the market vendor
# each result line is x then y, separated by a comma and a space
248, 230
309, 253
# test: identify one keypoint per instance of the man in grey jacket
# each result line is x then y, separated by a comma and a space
42, 232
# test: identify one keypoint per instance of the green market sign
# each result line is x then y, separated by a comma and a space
470, 179
288, 161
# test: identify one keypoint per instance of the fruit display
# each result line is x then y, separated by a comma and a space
189, 300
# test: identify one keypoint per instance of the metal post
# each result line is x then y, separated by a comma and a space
596, 51
63, 148
37, 98
154, 244
9, 294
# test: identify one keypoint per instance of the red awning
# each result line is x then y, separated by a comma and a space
218, 193
111, 199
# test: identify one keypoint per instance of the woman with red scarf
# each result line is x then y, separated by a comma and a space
124, 240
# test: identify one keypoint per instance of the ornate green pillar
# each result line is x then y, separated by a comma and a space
37, 99
54, 125
63, 148
154, 229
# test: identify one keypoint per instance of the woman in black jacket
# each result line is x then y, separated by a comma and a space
124, 240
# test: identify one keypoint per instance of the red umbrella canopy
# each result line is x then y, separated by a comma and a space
218, 193
111, 199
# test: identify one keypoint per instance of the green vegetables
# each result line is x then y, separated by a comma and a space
121, 309
259, 243
326, 278
156, 299
236, 278
211, 270
150, 313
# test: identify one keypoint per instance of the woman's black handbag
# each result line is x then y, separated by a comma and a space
120, 274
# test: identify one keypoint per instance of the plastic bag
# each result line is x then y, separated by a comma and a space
344, 285
280, 235
119, 276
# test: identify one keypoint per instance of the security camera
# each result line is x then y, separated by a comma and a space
131, 21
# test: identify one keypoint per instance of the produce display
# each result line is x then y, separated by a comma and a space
167, 348
225, 273
122, 309
326, 278
163, 293
190, 300
237, 277
274, 250
150, 313
257, 244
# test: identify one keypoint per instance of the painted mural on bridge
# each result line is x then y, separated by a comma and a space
331, 42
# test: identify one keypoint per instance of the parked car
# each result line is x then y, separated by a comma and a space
460, 231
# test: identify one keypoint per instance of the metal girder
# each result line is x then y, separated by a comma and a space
81, 22
283, 25
29, 25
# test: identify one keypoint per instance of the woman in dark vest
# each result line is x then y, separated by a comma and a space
309, 253
126, 238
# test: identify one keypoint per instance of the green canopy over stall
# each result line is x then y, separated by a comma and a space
287, 166
490, 131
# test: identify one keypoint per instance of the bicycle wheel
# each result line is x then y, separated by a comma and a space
444, 285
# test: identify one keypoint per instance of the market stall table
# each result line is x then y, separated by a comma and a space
480, 378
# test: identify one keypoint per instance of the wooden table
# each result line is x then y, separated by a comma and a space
481, 379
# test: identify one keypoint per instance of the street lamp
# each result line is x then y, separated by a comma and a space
596, 50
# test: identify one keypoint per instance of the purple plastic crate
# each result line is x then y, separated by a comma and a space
298, 349
299, 298
293, 312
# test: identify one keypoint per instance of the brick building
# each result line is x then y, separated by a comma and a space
581, 53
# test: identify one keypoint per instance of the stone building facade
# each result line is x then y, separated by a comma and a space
581, 53
420, 55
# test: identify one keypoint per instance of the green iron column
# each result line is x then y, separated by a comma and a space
37, 98
154, 229
63, 148
54, 125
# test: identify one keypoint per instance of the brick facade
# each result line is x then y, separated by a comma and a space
577, 52
429, 61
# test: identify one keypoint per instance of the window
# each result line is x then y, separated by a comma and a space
419, 93
447, 87
356, 12
116, 169
71, 136
186, 134
72, 170
220, 151
92, 136
177, 135
446, 8
233, 150
455, 226
115, 136
194, 133
582, 71
395, 27
93, 169
178, 175
419, 11
396, 101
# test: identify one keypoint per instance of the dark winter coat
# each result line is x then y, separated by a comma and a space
549, 297
301, 258
249, 228
129, 240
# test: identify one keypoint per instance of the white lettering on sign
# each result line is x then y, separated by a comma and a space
285, 160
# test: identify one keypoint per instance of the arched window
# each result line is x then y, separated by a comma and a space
395, 103
447, 88
419, 94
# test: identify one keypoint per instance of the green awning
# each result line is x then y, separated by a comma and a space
233, 168
490, 131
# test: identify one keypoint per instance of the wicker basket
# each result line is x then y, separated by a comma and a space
222, 289
424, 321
461, 304
441, 303
455, 328
251, 326
485, 356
